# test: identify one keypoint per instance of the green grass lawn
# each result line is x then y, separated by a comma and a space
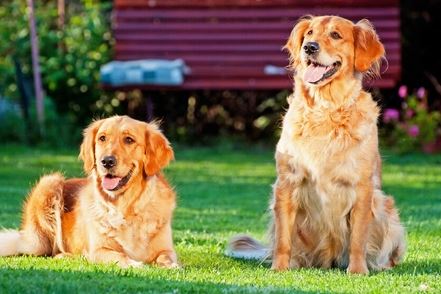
224, 191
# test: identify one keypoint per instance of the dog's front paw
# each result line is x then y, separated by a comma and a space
359, 268
167, 261
62, 255
130, 263
134, 263
173, 265
280, 263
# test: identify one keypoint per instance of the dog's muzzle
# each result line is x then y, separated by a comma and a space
108, 161
311, 48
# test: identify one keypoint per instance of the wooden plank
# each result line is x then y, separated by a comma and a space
198, 47
223, 67
252, 36
249, 84
148, 25
201, 37
250, 72
216, 84
233, 59
252, 3
289, 13
221, 48
237, 84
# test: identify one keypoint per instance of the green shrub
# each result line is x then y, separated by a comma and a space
70, 59
58, 130
200, 116
12, 126
413, 126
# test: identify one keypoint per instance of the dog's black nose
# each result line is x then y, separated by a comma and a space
311, 48
108, 161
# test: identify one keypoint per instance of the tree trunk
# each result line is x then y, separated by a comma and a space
61, 14
36, 68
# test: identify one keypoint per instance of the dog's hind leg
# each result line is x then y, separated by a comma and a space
396, 233
386, 245
40, 232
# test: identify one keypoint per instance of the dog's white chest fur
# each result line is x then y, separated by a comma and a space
325, 141
131, 233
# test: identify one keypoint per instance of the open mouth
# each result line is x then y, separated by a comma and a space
316, 72
113, 183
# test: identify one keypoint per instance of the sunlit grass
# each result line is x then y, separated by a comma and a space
223, 191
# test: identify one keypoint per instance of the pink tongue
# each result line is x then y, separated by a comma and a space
314, 73
110, 183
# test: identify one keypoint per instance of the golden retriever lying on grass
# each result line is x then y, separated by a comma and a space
328, 207
120, 214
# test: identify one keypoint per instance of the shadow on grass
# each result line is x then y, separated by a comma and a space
129, 281
409, 268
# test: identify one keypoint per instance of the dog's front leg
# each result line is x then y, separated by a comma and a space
361, 217
161, 251
107, 255
284, 217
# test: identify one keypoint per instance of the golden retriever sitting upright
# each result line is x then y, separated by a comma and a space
120, 214
328, 207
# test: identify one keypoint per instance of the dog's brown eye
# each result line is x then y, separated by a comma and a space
128, 140
102, 138
335, 35
310, 32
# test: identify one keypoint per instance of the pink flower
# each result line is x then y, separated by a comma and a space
402, 91
421, 92
413, 131
409, 113
390, 115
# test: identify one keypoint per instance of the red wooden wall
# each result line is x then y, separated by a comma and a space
228, 43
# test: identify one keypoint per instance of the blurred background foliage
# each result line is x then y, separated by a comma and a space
71, 58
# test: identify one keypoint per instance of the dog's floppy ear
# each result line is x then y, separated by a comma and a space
158, 150
368, 49
295, 40
87, 149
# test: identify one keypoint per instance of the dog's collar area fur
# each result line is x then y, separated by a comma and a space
110, 213
329, 95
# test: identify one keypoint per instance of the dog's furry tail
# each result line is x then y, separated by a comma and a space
246, 247
9, 242
41, 229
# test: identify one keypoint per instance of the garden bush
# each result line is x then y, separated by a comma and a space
70, 59
413, 125
11, 122
200, 116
